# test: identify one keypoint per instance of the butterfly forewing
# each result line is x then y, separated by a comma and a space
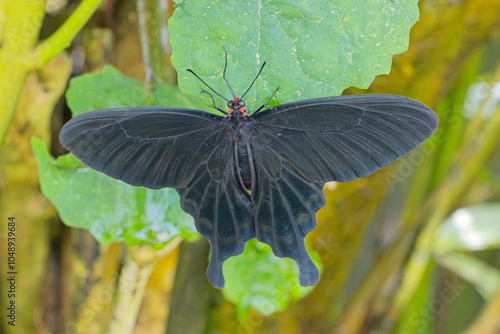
342, 138
154, 147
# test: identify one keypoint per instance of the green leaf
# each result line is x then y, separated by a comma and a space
312, 48
111, 89
164, 95
110, 209
259, 280
106, 89
470, 229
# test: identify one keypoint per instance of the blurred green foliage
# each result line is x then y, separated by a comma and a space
469, 230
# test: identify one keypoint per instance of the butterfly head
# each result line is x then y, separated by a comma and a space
236, 105
237, 108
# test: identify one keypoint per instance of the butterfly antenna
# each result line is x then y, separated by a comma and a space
254, 80
213, 90
224, 75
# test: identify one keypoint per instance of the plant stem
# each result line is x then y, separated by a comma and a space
17, 59
94, 313
62, 38
19, 34
159, 39
133, 281
143, 32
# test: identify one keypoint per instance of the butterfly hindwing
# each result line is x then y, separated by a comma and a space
342, 138
221, 210
154, 147
284, 208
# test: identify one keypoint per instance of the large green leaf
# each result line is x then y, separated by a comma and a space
111, 89
106, 89
312, 48
171, 96
110, 209
259, 280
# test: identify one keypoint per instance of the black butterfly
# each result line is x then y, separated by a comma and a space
251, 176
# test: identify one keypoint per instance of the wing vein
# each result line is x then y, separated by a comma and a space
144, 160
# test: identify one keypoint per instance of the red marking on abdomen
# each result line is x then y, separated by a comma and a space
248, 185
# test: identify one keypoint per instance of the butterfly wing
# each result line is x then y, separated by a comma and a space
221, 209
284, 208
342, 138
154, 147
297, 147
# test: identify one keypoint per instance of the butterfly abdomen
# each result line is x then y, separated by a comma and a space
244, 167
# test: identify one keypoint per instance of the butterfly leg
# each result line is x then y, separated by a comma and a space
267, 103
213, 101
